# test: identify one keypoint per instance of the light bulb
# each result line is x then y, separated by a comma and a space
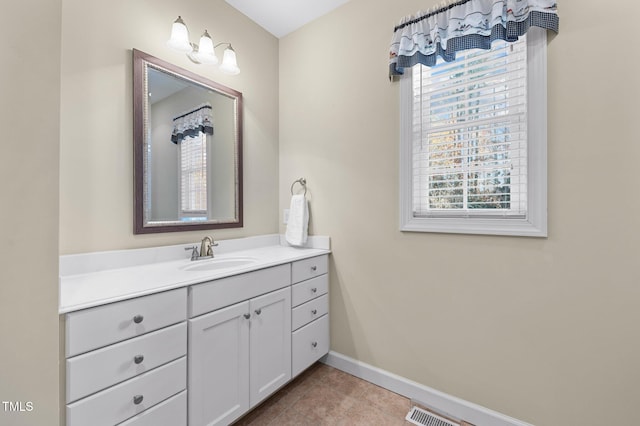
229, 64
206, 53
179, 37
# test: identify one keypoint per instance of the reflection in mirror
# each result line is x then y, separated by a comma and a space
188, 150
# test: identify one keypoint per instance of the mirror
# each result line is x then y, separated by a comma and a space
187, 149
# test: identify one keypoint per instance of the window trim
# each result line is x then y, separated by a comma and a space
535, 223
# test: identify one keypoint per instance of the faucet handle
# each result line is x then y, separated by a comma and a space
194, 252
211, 246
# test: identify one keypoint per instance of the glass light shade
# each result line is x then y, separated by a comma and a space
206, 53
179, 37
229, 64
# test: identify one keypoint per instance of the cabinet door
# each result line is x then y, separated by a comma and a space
219, 366
270, 343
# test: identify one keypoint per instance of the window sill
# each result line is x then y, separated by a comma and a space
506, 227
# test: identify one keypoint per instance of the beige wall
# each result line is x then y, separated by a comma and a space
29, 119
544, 330
96, 183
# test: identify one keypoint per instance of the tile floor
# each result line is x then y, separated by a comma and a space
323, 395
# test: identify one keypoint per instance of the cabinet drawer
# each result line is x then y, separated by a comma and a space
310, 289
99, 369
117, 404
309, 311
309, 344
309, 268
101, 326
217, 294
172, 412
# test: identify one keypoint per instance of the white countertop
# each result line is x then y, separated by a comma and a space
94, 279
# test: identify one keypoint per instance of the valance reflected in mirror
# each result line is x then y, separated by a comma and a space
187, 149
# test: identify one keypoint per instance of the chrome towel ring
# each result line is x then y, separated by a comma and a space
302, 182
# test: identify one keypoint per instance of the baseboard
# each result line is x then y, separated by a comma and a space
439, 401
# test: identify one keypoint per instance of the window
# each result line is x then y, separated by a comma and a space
473, 143
193, 177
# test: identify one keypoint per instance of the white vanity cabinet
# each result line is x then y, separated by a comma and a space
238, 354
195, 347
125, 358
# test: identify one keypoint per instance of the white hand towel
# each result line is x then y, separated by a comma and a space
297, 226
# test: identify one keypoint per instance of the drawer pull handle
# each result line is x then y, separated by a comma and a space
138, 399
258, 311
138, 359
314, 268
313, 290
138, 319
247, 316
314, 344
315, 311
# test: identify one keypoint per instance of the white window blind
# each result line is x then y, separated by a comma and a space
470, 134
193, 176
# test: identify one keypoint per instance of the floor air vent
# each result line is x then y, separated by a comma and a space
418, 416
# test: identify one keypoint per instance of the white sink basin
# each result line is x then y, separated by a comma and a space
216, 264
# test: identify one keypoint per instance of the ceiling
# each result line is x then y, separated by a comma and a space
280, 17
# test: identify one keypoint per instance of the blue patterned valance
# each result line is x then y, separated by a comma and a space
465, 24
191, 123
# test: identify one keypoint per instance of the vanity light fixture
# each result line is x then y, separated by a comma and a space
204, 52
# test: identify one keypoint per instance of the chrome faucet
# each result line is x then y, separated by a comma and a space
206, 247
